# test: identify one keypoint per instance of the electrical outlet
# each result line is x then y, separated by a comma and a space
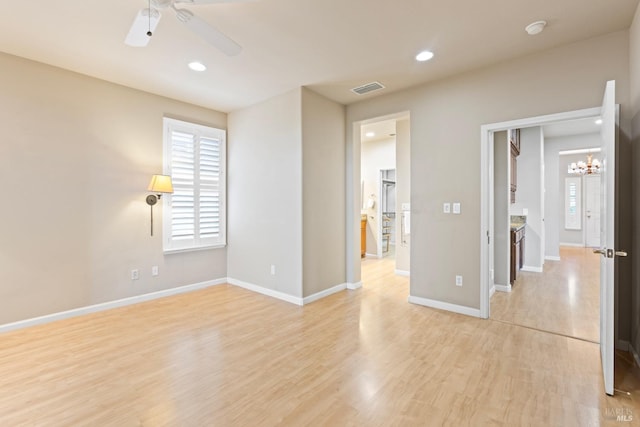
154, 270
273, 270
135, 274
458, 280
446, 208
456, 208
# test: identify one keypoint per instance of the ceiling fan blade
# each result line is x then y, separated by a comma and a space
142, 23
210, 34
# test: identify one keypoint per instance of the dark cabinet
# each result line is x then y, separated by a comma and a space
517, 251
514, 143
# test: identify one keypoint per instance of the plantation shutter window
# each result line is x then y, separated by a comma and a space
194, 215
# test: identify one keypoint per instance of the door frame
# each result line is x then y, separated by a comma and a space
486, 188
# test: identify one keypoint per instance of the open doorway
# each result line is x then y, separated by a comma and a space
545, 275
608, 113
385, 192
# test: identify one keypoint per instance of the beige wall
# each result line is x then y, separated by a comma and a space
323, 189
265, 194
529, 194
76, 159
286, 189
445, 147
634, 53
403, 191
501, 202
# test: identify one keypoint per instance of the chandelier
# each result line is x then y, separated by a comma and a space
592, 166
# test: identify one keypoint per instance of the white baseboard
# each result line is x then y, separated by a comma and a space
492, 290
108, 305
325, 293
403, 273
552, 258
286, 297
266, 291
368, 255
503, 288
531, 269
174, 291
460, 309
635, 355
573, 245
354, 286
622, 345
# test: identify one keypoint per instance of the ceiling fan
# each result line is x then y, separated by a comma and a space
147, 19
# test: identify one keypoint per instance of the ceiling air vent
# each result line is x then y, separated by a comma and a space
369, 87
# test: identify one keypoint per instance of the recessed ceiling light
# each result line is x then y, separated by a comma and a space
598, 121
535, 27
197, 66
370, 134
425, 55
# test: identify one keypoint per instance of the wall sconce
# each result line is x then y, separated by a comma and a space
159, 184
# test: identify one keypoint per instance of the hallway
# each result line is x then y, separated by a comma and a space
565, 299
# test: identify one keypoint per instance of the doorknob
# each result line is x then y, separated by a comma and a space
609, 253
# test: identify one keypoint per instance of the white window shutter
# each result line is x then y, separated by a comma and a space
195, 212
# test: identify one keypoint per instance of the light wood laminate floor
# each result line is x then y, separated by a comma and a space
564, 299
225, 356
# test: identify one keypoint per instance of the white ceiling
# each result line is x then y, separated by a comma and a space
383, 129
571, 127
329, 45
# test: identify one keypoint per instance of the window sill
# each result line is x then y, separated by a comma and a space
193, 249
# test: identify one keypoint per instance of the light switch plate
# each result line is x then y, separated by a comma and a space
446, 207
456, 208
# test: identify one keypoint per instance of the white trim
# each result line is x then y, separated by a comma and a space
193, 249
460, 309
325, 293
354, 286
623, 345
266, 291
403, 273
503, 288
486, 163
636, 357
108, 305
368, 255
551, 258
492, 290
531, 269
573, 245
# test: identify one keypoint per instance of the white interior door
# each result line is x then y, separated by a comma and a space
607, 224
592, 210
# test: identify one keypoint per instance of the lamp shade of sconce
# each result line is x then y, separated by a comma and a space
159, 184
